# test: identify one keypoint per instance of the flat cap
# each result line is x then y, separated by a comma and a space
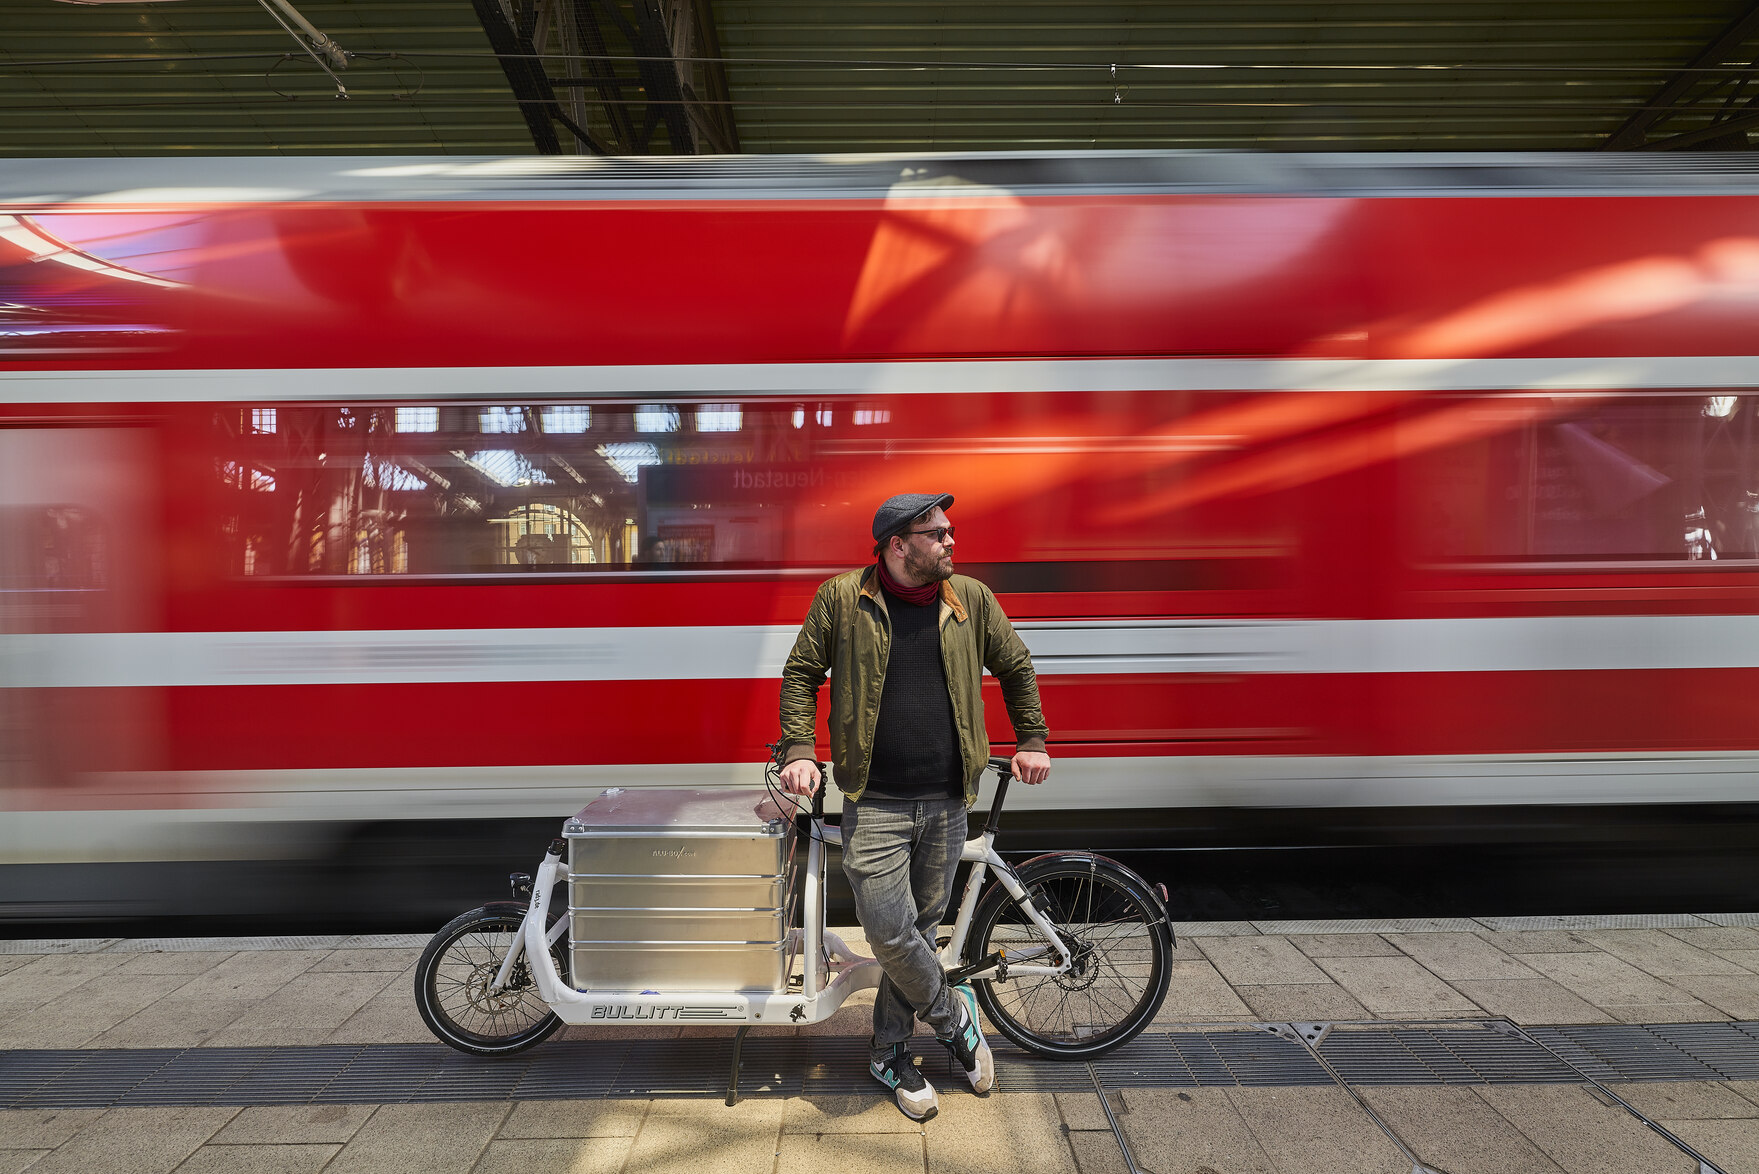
901, 509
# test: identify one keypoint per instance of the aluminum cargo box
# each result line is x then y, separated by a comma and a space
680, 889
681, 831
667, 968
681, 892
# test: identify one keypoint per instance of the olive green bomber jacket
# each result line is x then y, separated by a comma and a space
847, 633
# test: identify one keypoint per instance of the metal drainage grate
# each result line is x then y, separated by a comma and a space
1251, 1055
1250, 1059
1727, 1047
1634, 1052
1428, 1055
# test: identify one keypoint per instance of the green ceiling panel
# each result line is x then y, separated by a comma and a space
906, 75
209, 78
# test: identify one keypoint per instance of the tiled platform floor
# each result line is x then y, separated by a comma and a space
298, 992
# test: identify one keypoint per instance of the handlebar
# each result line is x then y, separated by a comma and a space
804, 821
1004, 768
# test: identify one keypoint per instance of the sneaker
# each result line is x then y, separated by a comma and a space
970, 1051
899, 1073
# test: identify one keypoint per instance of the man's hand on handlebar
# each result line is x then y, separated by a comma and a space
800, 777
1032, 766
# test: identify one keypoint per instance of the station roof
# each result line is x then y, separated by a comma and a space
481, 77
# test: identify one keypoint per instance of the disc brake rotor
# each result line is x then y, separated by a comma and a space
1083, 966
476, 988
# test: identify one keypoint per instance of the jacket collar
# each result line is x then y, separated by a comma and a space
951, 599
870, 587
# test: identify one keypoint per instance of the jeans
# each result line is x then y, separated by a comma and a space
899, 856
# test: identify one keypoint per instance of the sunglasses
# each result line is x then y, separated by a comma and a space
940, 533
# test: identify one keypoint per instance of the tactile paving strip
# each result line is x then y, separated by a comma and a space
1247, 1056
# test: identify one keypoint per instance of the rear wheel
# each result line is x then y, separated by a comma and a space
1121, 944
453, 977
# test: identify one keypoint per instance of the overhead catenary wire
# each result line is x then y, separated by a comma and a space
1108, 81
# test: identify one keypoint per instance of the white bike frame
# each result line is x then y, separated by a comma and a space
832, 970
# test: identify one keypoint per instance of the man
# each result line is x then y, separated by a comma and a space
905, 642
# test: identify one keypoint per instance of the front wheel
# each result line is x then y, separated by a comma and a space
1121, 944
453, 977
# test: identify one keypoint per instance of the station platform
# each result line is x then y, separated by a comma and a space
1587, 1045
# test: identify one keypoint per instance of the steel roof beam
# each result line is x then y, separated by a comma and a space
1667, 101
513, 47
1728, 128
652, 63
644, 30
596, 59
696, 48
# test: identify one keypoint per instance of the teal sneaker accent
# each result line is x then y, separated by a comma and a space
970, 1051
898, 1072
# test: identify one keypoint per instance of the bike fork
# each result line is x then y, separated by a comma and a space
511, 960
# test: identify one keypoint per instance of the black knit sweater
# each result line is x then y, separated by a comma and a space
915, 744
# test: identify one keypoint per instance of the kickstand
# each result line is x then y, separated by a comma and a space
733, 1076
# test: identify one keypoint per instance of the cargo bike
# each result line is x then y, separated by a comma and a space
694, 907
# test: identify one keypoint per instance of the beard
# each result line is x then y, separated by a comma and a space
928, 568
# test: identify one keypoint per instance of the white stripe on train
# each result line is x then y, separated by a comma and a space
911, 377
732, 652
229, 815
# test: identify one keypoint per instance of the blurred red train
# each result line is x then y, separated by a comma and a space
348, 505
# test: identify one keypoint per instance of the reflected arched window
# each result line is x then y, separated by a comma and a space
542, 534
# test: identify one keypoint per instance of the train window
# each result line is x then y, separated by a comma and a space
499, 488
1117, 492
60, 548
1583, 479
55, 573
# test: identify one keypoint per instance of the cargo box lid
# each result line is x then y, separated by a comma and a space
683, 810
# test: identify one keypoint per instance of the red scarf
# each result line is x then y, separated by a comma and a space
918, 595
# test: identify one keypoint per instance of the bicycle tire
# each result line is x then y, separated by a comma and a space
1123, 945
454, 971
